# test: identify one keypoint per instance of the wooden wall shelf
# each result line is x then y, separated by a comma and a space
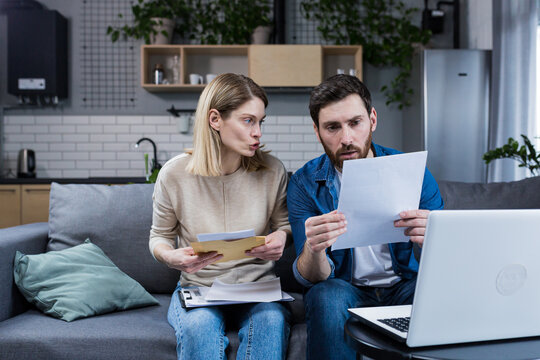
285, 66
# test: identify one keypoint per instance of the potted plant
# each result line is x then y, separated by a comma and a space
228, 22
385, 30
257, 19
261, 34
154, 21
526, 155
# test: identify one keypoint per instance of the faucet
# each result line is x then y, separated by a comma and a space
155, 164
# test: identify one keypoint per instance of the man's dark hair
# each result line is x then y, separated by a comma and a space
337, 88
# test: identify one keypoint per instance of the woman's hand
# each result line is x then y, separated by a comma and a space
185, 259
273, 247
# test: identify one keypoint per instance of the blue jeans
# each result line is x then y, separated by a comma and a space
326, 306
200, 332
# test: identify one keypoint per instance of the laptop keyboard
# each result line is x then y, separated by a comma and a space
401, 323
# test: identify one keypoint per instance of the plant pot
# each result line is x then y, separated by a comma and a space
163, 24
261, 35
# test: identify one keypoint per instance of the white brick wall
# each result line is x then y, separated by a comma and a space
94, 146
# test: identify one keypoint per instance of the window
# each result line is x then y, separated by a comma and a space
538, 87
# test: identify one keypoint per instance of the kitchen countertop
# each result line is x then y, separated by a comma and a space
90, 180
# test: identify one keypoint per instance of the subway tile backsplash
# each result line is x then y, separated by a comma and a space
102, 146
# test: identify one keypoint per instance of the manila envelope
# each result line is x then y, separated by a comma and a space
231, 249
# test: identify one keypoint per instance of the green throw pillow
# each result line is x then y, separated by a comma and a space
77, 282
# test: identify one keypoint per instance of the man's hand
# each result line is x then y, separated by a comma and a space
415, 222
185, 259
322, 231
272, 248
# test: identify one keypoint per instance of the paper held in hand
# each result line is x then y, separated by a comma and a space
232, 245
373, 193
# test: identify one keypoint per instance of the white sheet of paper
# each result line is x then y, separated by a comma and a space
226, 235
258, 291
373, 193
196, 298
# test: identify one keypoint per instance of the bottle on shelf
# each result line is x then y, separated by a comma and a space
158, 74
176, 70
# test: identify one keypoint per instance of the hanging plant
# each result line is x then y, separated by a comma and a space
382, 27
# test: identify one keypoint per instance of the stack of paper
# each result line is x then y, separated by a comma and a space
225, 294
259, 291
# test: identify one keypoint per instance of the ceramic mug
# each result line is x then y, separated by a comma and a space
195, 79
210, 77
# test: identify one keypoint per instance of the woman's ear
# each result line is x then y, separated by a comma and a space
214, 118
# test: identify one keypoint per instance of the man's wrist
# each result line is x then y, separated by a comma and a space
313, 265
312, 253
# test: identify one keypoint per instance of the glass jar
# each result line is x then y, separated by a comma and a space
176, 69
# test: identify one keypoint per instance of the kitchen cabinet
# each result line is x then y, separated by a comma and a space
23, 204
35, 203
268, 65
286, 65
10, 205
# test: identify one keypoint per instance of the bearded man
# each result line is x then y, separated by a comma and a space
344, 121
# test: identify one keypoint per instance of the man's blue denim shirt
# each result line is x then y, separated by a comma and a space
311, 192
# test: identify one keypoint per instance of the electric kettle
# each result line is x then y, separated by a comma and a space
26, 164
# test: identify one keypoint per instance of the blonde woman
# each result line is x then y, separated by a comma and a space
226, 184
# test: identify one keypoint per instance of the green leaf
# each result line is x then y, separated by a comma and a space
153, 177
387, 39
526, 154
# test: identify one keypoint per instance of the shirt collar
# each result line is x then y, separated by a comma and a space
325, 171
378, 150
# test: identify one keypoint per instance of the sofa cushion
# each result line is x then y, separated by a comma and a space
523, 194
77, 282
136, 334
131, 335
115, 218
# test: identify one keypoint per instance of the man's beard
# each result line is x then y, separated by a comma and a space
362, 152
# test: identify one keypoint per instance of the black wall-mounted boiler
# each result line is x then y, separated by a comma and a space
37, 56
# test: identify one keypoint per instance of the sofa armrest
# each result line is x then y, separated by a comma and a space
28, 239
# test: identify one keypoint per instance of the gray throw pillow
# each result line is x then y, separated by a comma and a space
77, 282
117, 219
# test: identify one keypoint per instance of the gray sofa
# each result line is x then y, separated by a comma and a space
117, 219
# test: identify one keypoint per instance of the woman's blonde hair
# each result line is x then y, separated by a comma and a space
225, 93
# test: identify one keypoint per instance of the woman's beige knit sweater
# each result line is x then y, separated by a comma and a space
186, 205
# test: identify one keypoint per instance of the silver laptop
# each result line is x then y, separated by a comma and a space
479, 279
